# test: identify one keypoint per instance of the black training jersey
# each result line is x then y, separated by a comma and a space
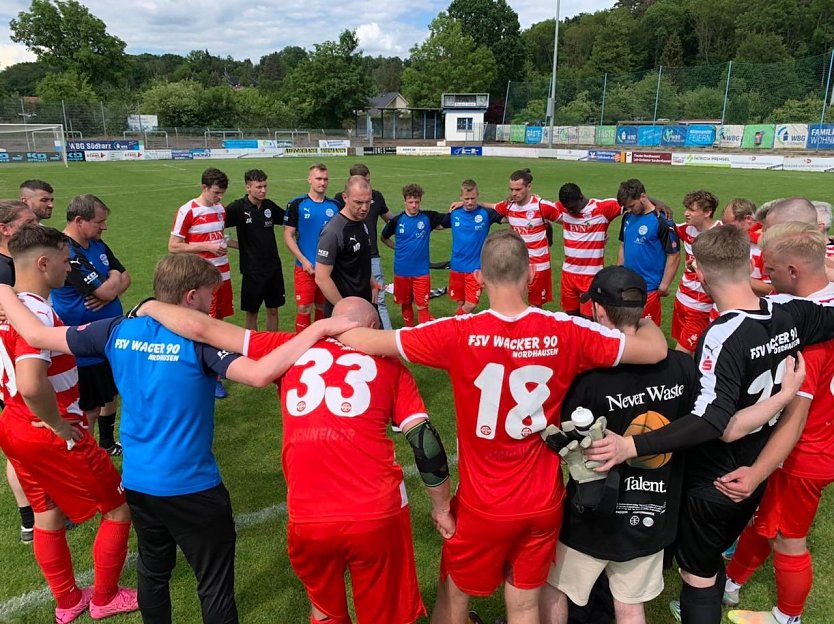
645, 517
346, 245
6, 270
378, 208
255, 228
742, 361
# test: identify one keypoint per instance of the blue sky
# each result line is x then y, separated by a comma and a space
256, 27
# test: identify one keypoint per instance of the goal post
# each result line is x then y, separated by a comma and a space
41, 142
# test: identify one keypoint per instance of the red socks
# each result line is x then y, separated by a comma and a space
408, 315
109, 554
53, 556
459, 311
794, 576
423, 315
751, 552
302, 322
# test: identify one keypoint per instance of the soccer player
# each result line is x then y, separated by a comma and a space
304, 220
470, 227
198, 229
690, 316
585, 222
378, 210
412, 227
742, 358
91, 292
254, 217
648, 245
343, 257
510, 368
607, 539
168, 423
795, 259
13, 214
43, 433
740, 213
39, 196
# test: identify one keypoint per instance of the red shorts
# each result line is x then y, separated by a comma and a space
688, 325
81, 482
221, 303
306, 291
574, 285
652, 309
485, 552
788, 506
540, 290
380, 557
416, 289
464, 287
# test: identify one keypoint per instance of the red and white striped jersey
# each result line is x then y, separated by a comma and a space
62, 373
586, 234
829, 249
690, 292
528, 220
195, 223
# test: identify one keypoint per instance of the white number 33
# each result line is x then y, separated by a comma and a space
363, 371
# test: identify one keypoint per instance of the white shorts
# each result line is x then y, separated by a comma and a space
632, 582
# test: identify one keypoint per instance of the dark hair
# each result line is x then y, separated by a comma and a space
630, 189
34, 236
254, 175
37, 185
214, 177
522, 174
570, 193
622, 316
412, 190
705, 200
10, 209
360, 170
84, 206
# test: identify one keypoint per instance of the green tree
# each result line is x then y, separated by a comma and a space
494, 25
176, 103
669, 25
21, 78
612, 51
533, 113
68, 85
386, 73
448, 61
65, 35
579, 111
702, 103
275, 66
538, 43
255, 108
799, 111
330, 84
714, 24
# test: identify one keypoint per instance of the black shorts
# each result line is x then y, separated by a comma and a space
262, 288
707, 528
96, 386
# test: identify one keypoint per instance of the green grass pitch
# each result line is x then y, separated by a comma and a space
144, 196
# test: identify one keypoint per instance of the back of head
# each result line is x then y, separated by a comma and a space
791, 209
723, 254
629, 190
823, 214
504, 258
360, 170
36, 185
84, 206
10, 209
176, 274
31, 239
796, 242
358, 310
214, 177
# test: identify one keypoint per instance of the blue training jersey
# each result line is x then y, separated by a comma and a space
411, 255
469, 231
647, 240
309, 217
167, 387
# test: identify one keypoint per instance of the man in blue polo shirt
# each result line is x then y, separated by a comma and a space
648, 245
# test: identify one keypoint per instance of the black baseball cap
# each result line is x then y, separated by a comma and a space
611, 283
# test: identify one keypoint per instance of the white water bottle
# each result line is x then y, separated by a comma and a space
582, 418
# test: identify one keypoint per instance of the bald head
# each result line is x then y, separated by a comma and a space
791, 209
358, 310
357, 183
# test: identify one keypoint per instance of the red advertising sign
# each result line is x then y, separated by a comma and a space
652, 158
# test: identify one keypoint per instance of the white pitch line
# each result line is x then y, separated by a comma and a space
38, 597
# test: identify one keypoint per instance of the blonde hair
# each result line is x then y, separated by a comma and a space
723, 253
176, 274
795, 240
504, 258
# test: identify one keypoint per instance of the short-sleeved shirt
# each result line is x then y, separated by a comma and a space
89, 269
195, 223
509, 378
586, 234
61, 370
647, 240
645, 518
255, 228
529, 221
345, 245
309, 217
6, 270
691, 293
167, 387
470, 229
742, 359
337, 404
411, 255
378, 208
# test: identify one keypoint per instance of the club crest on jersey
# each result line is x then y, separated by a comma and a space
104, 260
268, 213
329, 212
479, 218
642, 230
300, 406
486, 430
421, 226
345, 407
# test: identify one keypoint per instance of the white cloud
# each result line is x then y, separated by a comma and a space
11, 53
